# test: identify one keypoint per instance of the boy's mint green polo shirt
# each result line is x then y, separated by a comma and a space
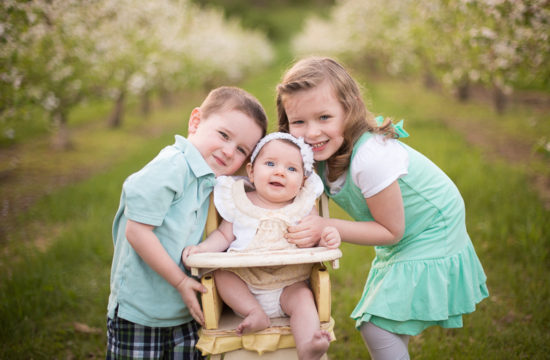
171, 193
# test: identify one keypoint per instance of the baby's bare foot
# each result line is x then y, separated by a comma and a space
256, 320
317, 347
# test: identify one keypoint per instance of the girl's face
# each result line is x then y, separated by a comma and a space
277, 173
317, 116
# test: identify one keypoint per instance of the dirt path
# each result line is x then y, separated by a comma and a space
509, 149
26, 178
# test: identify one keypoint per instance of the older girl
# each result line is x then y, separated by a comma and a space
426, 271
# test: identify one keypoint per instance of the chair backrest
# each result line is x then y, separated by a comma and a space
213, 219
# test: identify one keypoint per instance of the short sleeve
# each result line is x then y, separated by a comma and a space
151, 191
223, 198
377, 163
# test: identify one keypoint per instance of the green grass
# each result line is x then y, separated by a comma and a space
44, 291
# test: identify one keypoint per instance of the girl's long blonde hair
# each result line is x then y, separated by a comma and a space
311, 72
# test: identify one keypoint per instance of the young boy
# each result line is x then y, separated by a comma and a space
162, 210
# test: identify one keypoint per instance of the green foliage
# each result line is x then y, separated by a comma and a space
279, 20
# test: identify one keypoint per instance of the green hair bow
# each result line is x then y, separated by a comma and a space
397, 127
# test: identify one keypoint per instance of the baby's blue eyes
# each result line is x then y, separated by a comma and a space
324, 117
272, 164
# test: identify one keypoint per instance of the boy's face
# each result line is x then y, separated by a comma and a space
225, 139
277, 173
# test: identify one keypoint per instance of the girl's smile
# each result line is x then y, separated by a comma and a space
320, 146
317, 116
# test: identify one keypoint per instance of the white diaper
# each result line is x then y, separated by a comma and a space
270, 301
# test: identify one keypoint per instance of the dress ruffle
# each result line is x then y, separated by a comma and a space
224, 202
408, 296
247, 213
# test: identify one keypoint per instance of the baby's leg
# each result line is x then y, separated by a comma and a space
235, 293
297, 301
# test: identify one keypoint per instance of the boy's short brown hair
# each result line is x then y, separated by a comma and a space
226, 98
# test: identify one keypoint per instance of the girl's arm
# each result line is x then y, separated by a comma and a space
144, 241
388, 228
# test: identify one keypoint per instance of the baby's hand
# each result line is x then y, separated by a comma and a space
330, 238
193, 249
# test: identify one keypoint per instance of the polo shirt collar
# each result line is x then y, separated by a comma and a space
196, 162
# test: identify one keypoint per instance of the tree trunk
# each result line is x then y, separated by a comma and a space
146, 104
463, 91
115, 120
61, 139
371, 64
165, 97
500, 100
429, 80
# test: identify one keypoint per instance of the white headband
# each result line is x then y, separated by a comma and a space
305, 149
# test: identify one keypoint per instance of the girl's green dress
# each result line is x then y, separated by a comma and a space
432, 275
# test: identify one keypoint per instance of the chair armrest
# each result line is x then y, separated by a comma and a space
212, 304
320, 286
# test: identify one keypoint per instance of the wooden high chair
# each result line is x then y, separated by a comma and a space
218, 338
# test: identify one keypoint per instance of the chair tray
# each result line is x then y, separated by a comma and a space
272, 258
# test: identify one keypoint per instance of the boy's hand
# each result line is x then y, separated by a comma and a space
330, 238
187, 288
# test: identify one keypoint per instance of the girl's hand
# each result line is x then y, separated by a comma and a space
307, 233
330, 238
187, 288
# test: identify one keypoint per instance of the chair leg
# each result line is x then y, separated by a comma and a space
320, 286
212, 304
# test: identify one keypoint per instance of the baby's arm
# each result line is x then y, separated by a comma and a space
148, 246
219, 240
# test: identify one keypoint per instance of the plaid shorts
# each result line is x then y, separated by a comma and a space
127, 340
